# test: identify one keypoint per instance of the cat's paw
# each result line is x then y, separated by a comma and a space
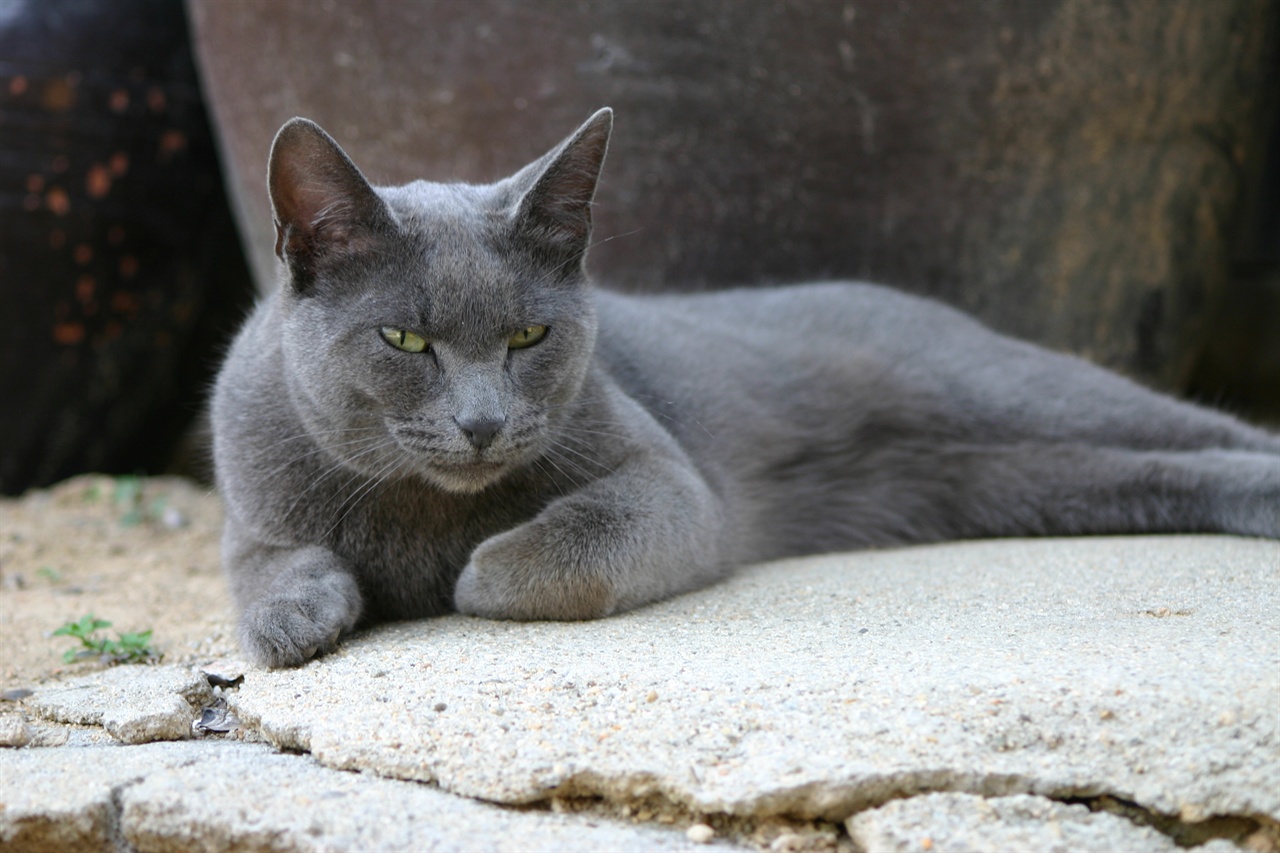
287, 630
522, 574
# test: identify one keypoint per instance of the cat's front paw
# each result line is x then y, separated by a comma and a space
522, 575
287, 630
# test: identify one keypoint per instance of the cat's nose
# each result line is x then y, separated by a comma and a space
480, 431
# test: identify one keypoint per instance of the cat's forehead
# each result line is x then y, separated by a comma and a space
450, 226
428, 205
450, 270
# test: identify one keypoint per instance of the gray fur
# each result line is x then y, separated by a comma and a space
646, 446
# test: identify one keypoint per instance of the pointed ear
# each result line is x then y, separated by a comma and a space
324, 208
555, 212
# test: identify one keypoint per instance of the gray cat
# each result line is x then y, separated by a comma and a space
436, 410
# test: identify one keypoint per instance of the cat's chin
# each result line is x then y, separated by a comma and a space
465, 479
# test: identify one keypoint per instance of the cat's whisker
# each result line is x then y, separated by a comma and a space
538, 464
576, 470
317, 439
314, 452
575, 432
341, 465
616, 236
370, 484
561, 446
307, 435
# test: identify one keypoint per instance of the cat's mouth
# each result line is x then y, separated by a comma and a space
454, 471
465, 477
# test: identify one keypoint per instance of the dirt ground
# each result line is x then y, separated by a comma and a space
139, 553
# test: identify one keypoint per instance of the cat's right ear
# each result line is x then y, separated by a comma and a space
324, 209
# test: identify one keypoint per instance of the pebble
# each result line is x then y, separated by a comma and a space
174, 518
14, 730
700, 833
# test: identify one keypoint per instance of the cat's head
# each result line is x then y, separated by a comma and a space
434, 330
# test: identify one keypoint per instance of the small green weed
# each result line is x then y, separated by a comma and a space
127, 496
129, 648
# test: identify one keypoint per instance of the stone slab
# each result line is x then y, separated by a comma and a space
135, 704
63, 800
1147, 669
227, 796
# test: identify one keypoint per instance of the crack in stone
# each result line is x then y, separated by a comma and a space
766, 832
803, 831
115, 817
1185, 833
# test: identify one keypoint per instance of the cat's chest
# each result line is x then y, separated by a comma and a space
408, 543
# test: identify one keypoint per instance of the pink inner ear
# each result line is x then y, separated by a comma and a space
323, 205
310, 200
327, 235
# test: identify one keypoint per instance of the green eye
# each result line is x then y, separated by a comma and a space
526, 337
403, 340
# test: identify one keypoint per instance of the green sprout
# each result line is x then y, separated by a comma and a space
129, 648
127, 497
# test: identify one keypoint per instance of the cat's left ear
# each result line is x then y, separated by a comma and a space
555, 211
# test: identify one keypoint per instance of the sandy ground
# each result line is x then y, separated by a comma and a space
140, 553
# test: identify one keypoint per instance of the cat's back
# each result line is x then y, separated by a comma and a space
753, 351
827, 320
745, 378
756, 373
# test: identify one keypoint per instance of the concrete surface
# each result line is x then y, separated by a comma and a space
988, 694
135, 704
229, 796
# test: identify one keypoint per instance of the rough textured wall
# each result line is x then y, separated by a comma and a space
1070, 170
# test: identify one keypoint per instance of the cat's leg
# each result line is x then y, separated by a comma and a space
1111, 410
1021, 391
645, 532
294, 602
1071, 489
